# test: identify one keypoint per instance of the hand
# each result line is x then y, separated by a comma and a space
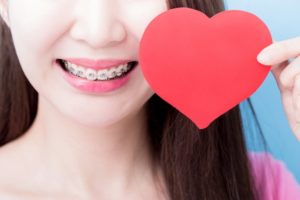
279, 55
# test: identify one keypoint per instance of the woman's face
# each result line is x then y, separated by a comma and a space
93, 36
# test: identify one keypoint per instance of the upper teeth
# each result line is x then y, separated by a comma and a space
92, 74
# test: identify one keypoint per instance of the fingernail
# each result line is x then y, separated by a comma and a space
263, 58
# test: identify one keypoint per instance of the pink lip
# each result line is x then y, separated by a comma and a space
94, 87
96, 64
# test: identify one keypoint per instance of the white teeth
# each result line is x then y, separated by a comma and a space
72, 68
118, 71
112, 73
81, 72
121, 69
102, 75
91, 74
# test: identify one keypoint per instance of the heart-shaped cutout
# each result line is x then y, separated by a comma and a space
204, 66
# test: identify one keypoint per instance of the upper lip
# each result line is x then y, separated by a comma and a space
96, 64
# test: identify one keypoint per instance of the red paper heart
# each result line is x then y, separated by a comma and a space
204, 66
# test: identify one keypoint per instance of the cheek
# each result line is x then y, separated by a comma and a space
36, 25
139, 15
35, 29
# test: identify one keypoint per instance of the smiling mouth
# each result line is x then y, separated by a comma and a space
112, 73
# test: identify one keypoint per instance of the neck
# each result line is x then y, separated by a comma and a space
91, 158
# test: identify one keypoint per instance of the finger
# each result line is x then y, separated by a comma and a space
296, 93
289, 73
277, 71
296, 106
279, 52
298, 136
296, 129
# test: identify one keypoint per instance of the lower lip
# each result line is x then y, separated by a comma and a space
94, 87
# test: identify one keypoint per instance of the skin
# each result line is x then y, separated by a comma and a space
101, 150
285, 61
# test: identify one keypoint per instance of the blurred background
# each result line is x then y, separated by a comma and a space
283, 19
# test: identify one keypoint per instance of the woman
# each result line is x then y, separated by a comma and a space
103, 133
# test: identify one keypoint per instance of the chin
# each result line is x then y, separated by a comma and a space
99, 119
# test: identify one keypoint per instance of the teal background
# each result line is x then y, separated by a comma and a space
283, 19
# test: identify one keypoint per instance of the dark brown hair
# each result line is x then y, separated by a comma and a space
209, 164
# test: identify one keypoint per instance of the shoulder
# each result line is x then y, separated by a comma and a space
272, 179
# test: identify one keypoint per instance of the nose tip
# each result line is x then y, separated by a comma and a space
98, 28
99, 35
